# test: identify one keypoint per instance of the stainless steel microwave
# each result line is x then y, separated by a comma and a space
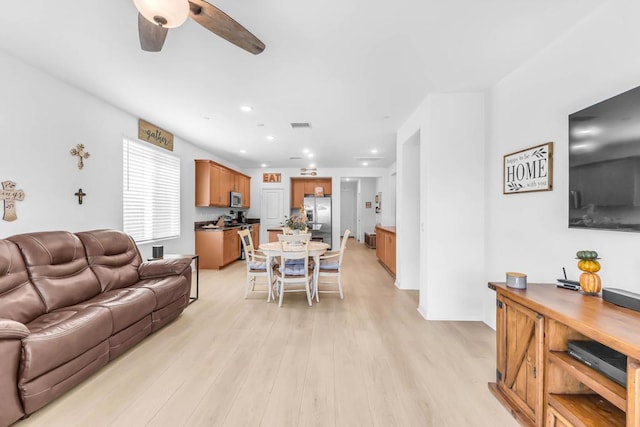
235, 200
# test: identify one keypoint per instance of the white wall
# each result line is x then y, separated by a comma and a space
367, 189
41, 120
594, 61
451, 132
387, 187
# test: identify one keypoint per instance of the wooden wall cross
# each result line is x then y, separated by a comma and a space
80, 194
9, 194
79, 151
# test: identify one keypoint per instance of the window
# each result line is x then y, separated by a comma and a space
151, 192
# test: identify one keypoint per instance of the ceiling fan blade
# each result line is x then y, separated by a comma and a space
218, 22
151, 35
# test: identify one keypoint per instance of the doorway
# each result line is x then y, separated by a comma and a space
271, 211
348, 213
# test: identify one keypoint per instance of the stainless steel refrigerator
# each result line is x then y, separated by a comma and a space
318, 212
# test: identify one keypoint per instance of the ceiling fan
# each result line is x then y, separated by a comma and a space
157, 16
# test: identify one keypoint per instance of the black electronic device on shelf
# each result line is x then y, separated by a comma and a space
622, 298
603, 359
565, 283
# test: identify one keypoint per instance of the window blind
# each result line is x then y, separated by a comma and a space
151, 193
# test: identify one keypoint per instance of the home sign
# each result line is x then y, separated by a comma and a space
528, 170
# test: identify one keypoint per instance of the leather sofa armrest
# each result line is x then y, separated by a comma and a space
163, 267
10, 329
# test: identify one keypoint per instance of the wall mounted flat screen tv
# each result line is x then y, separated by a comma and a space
604, 164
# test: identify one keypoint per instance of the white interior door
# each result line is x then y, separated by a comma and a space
348, 209
271, 211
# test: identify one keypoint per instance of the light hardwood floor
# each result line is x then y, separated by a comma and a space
367, 360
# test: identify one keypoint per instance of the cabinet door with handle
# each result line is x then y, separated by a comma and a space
520, 364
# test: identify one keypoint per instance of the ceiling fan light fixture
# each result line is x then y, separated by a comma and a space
166, 13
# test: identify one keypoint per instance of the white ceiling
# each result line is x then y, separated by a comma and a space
354, 69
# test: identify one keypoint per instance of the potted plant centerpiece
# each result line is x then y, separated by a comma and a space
297, 223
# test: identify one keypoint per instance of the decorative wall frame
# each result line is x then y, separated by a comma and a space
9, 195
155, 135
528, 170
79, 152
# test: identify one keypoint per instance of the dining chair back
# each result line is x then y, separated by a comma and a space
330, 269
293, 273
257, 266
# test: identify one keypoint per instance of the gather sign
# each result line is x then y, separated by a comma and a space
528, 170
156, 136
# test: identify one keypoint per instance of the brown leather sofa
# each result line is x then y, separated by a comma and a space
70, 303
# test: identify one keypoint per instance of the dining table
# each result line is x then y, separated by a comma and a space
273, 249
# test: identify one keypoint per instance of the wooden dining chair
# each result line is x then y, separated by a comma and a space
330, 270
294, 273
257, 266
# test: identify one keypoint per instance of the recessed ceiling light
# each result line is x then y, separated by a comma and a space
243, 151
365, 164
374, 151
264, 165
348, 179
312, 165
306, 150
271, 137
246, 108
310, 155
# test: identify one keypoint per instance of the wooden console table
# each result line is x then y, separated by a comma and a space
370, 240
539, 382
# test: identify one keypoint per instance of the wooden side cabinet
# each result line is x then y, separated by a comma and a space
536, 377
519, 370
386, 247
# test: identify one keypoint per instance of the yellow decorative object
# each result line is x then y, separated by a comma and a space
590, 283
589, 265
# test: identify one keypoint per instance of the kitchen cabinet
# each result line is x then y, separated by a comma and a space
227, 179
386, 247
307, 186
255, 235
217, 248
214, 182
539, 381
203, 183
243, 186
273, 234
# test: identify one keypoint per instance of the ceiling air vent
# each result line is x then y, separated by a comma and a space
295, 158
301, 125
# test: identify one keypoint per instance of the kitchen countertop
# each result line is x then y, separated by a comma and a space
389, 228
204, 226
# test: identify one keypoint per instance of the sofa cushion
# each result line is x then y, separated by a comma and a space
61, 336
127, 306
166, 290
329, 264
113, 257
58, 267
19, 299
